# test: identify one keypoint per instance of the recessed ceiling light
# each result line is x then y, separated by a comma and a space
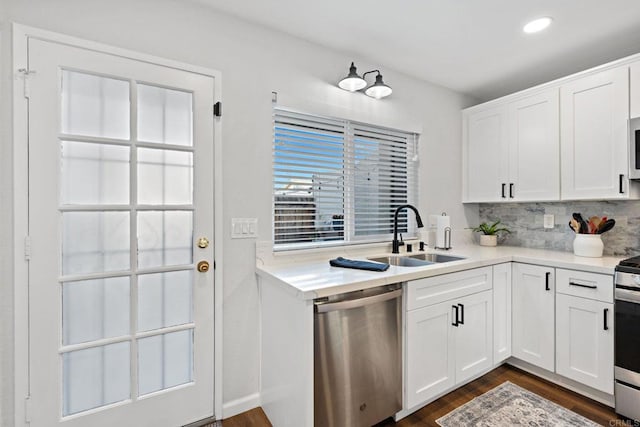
537, 25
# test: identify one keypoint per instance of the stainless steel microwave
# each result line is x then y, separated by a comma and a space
634, 151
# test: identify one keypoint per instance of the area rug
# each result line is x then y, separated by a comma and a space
510, 405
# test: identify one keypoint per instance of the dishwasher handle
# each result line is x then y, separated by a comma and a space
355, 303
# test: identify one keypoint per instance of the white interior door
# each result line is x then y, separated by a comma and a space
120, 191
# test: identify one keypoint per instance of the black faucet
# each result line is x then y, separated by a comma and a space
395, 245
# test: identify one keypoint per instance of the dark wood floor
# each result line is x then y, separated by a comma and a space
427, 416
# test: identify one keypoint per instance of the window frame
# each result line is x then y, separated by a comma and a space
407, 226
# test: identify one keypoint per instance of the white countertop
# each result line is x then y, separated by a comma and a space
309, 278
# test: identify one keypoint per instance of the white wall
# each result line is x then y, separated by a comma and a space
254, 62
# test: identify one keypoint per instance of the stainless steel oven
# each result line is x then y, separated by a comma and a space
627, 338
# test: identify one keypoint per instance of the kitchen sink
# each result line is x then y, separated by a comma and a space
418, 260
436, 257
402, 261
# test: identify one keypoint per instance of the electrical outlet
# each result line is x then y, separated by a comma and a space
548, 221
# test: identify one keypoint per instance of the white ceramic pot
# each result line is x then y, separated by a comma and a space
588, 245
488, 240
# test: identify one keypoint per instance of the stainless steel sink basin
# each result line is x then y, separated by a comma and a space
401, 261
436, 257
418, 260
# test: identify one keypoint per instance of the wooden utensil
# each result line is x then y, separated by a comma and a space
606, 226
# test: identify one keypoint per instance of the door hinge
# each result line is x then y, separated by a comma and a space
27, 409
27, 248
26, 74
217, 109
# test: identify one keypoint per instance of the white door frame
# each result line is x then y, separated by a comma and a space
20, 160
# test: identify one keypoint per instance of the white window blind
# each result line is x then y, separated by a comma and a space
338, 182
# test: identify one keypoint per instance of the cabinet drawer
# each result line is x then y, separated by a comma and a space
433, 290
587, 285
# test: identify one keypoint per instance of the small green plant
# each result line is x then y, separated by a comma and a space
490, 230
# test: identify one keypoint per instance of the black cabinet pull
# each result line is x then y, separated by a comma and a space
461, 313
606, 327
503, 188
621, 179
455, 308
547, 276
511, 190
582, 285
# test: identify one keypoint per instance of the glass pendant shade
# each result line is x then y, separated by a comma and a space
378, 89
353, 81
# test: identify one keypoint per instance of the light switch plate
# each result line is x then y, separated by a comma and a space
244, 228
548, 221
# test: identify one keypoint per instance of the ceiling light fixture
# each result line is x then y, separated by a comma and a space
353, 82
537, 25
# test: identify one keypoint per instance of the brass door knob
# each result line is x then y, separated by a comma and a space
203, 242
203, 266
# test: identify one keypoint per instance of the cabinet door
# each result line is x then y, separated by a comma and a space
635, 89
594, 111
533, 314
501, 312
474, 352
584, 341
485, 156
430, 352
534, 147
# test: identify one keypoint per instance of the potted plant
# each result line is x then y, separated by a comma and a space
489, 236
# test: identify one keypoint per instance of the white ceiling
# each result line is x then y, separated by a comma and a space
472, 46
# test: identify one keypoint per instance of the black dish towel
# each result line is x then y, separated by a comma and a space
360, 265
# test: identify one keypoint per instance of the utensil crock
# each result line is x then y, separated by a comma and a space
588, 245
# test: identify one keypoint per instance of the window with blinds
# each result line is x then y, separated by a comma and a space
339, 182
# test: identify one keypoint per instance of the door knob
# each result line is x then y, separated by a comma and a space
203, 266
203, 242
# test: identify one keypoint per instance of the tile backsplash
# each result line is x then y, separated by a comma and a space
525, 220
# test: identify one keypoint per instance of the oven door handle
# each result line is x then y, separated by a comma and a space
627, 295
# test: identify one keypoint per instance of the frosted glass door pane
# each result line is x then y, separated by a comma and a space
164, 299
164, 115
95, 377
165, 238
165, 361
95, 309
94, 174
94, 105
165, 177
95, 242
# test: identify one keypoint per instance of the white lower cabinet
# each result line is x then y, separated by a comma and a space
501, 312
584, 328
430, 352
447, 343
533, 296
473, 335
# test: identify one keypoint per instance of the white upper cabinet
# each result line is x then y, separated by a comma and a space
485, 155
534, 148
511, 151
594, 113
564, 140
635, 89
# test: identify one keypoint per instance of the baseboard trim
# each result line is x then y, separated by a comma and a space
238, 406
591, 393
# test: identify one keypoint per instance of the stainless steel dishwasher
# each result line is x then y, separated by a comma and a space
357, 357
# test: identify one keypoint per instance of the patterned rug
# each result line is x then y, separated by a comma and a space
510, 405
